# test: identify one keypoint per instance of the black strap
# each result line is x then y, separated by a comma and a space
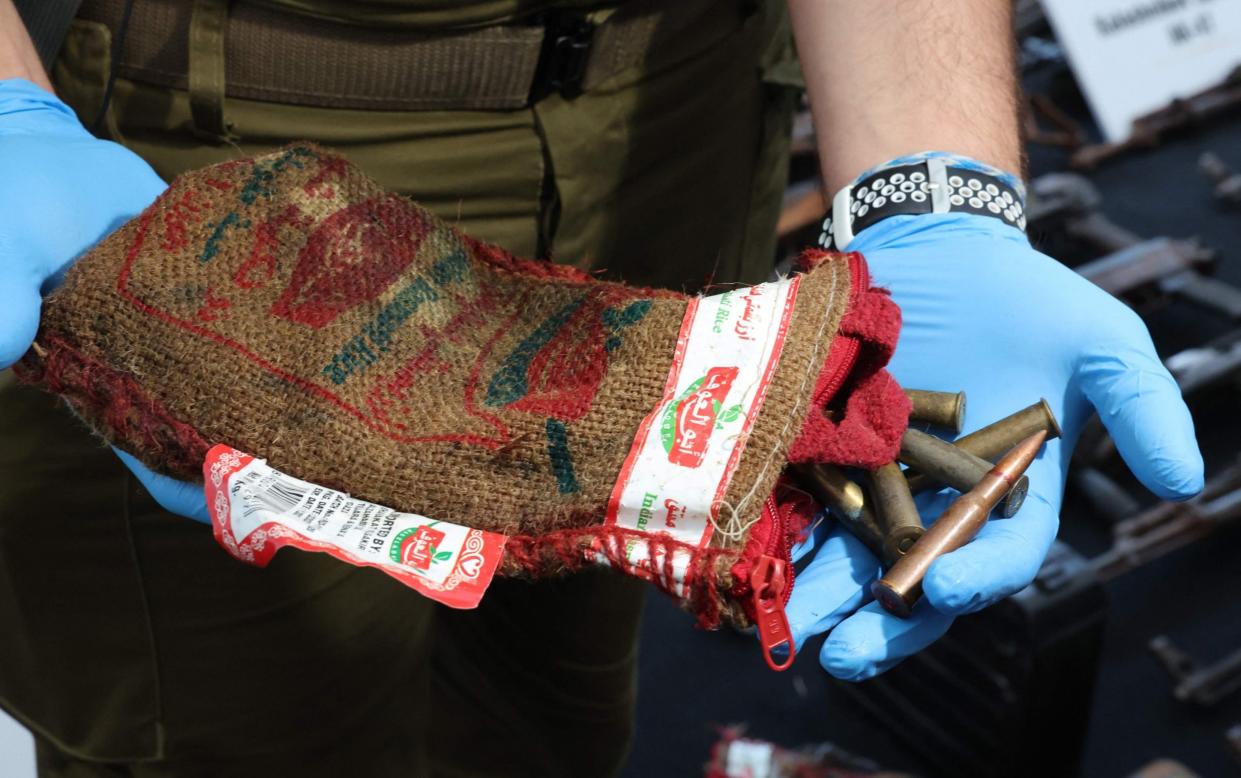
47, 21
908, 190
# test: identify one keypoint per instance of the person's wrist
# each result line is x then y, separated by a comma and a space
18, 57
26, 107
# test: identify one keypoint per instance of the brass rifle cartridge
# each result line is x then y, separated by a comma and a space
844, 499
994, 440
896, 514
901, 586
865, 527
832, 488
947, 465
943, 409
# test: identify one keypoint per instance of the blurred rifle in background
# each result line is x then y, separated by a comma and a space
1149, 130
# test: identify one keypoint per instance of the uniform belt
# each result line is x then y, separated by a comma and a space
283, 57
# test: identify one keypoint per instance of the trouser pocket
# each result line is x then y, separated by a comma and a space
76, 660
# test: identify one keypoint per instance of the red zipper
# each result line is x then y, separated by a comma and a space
770, 592
849, 347
771, 580
859, 276
778, 545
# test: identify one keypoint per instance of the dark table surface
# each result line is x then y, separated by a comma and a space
692, 681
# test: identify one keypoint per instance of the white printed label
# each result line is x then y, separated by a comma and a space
256, 510
749, 759
688, 447
1134, 56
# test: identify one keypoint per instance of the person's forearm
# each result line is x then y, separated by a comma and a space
18, 58
893, 77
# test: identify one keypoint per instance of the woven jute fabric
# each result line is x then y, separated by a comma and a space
290, 307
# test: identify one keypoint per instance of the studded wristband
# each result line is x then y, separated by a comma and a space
927, 186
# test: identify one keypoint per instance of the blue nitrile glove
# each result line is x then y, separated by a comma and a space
61, 191
985, 313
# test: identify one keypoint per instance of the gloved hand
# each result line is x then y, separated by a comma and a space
985, 313
61, 191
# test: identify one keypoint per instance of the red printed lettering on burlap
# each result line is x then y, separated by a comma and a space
261, 265
562, 375
393, 396
364, 302
184, 213
213, 306
319, 185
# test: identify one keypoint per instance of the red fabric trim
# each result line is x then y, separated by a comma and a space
140, 423
573, 549
863, 430
551, 271
503, 260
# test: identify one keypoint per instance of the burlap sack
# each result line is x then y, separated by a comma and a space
289, 307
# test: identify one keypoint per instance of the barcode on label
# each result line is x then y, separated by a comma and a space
276, 495
257, 510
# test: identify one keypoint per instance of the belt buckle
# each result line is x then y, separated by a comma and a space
562, 64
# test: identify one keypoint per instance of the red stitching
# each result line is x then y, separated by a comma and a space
574, 549
132, 415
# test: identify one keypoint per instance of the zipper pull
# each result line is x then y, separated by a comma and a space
768, 582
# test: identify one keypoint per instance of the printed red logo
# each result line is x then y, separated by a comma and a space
675, 512
418, 549
694, 416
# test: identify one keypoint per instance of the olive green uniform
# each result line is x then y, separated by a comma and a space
133, 645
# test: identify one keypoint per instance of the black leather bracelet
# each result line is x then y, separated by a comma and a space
929, 186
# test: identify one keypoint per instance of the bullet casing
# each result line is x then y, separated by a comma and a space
832, 488
994, 440
845, 500
901, 586
942, 409
945, 464
895, 511
865, 528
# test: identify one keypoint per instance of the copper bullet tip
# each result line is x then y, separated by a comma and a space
1015, 462
901, 586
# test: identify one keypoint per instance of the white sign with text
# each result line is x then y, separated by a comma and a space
1134, 56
